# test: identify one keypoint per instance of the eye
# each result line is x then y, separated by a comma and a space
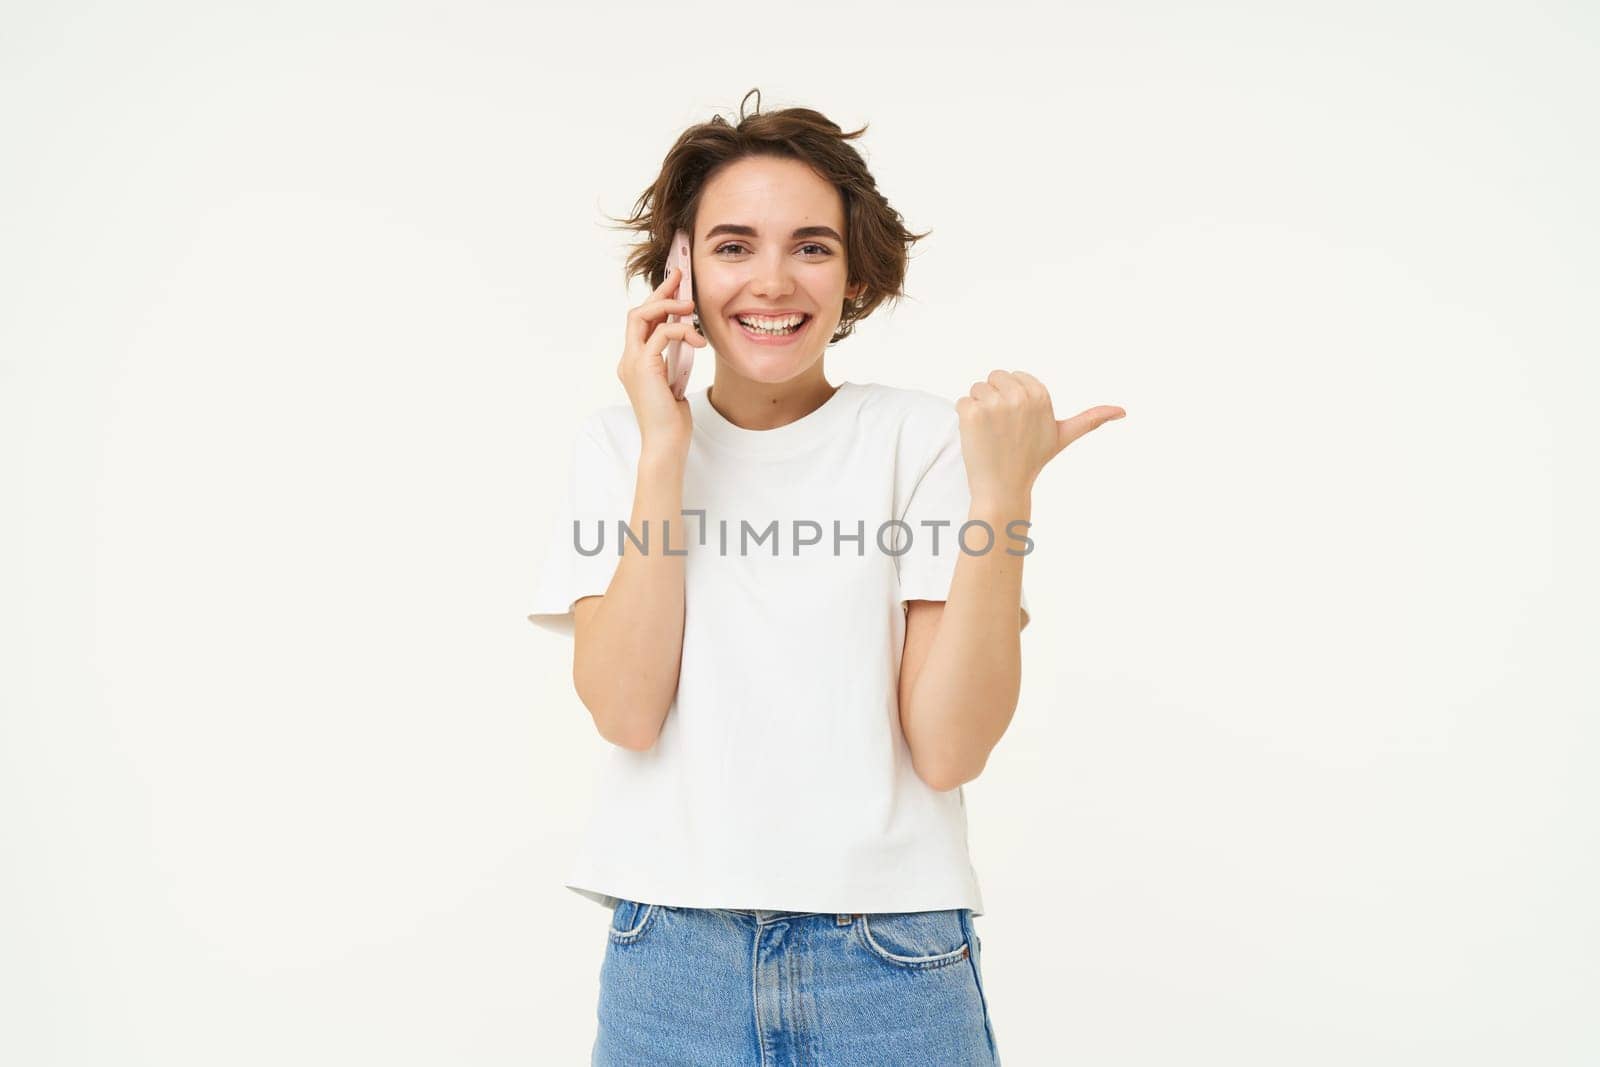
823, 249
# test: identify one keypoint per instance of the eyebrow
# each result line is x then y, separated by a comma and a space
750, 231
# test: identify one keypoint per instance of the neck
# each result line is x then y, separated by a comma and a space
753, 405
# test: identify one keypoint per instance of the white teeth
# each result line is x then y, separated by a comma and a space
772, 326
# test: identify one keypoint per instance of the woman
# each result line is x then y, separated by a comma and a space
803, 640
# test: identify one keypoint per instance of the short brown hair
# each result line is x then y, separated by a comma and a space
877, 244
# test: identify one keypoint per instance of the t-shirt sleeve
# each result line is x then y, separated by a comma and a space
942, 499
599, 492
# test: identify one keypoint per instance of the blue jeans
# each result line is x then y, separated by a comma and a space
723, 987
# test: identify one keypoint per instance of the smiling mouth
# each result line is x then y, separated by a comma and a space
762, 331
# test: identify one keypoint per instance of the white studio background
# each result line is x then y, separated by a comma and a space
302, 304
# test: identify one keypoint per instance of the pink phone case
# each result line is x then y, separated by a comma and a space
680, 355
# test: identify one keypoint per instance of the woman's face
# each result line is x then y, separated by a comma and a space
769, 240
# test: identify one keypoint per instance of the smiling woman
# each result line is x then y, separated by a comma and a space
785, 862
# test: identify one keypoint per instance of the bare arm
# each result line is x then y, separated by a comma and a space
628, 644
961, 671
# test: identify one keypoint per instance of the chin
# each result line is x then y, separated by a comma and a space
775, 369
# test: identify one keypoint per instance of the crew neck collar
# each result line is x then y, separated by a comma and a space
786, 440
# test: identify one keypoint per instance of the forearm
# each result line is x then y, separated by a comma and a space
967, 690
625, 667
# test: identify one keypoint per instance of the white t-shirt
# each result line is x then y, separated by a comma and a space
781, 779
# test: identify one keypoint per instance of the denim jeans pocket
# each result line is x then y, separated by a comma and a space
630, 921
915, 940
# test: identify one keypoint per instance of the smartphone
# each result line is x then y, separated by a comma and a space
680, 355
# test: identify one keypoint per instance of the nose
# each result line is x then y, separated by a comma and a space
771, 278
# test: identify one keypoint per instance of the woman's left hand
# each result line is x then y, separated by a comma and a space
1009, 431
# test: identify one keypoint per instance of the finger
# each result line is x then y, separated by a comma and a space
1007, 386
654, 311
1069, 430
657, 343
1033, 385
645, 317
982, 392
650, 310
669, 284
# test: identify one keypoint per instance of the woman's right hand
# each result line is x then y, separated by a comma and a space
665, 424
